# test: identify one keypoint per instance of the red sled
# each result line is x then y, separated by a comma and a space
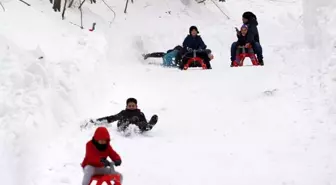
241, 54
195, 61
107, 179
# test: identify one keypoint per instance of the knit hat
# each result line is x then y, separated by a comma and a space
193, 28
244, 26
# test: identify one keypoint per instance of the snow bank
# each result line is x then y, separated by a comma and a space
48, 80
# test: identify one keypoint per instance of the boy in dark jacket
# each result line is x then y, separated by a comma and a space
195, 42
252, 37
97, 150
131, 115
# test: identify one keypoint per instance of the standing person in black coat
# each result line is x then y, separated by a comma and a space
195, 42
131, 115
252, 37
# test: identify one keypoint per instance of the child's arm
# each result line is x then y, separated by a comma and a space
114, 155
112, 118
238, 32
202, 44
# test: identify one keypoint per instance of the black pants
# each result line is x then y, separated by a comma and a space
202, 55
156, 55
161, 54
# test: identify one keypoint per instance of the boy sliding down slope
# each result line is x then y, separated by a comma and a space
193, 41
171, 58
131, 115
97, 150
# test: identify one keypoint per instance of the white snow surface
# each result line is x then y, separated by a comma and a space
270, 125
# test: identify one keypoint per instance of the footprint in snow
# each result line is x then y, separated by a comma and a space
270, 92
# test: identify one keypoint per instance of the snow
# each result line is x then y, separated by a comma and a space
253, 125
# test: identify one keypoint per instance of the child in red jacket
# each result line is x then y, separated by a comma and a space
97, 150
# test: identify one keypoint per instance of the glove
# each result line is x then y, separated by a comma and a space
105, 162
94, 122
117, 163
135, 119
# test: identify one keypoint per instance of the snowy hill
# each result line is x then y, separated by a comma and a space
253, 125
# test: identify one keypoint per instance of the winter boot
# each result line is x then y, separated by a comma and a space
144, 126
153, 120
146, 56
261, 62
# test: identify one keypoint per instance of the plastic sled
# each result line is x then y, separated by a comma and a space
195, 62
107, 179
243, 52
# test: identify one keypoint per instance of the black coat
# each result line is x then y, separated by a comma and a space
242, 40
126, 115
194, 42
253, 34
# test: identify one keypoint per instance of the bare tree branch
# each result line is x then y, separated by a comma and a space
126, 7
114, 14
70, 4
25, 2
81, 14
75, 24
220, 9
2, 7
80, 6
64, 8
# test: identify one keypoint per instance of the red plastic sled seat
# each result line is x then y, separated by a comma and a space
242, 54
106, 178
193, 60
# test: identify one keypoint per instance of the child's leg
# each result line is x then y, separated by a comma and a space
88, 173
108, 170
144, 126
233, 51
154, 55
206, 59
122, 125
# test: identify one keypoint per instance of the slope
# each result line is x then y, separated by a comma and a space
269, 125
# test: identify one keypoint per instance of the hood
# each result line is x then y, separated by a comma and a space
253, 22
101, 133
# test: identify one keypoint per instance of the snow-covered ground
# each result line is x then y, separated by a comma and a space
240, 126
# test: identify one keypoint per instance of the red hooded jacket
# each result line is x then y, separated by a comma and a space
93, 155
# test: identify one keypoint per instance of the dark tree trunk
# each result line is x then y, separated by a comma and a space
70, 4
64, 8
57, 5
125, 11
81, 13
